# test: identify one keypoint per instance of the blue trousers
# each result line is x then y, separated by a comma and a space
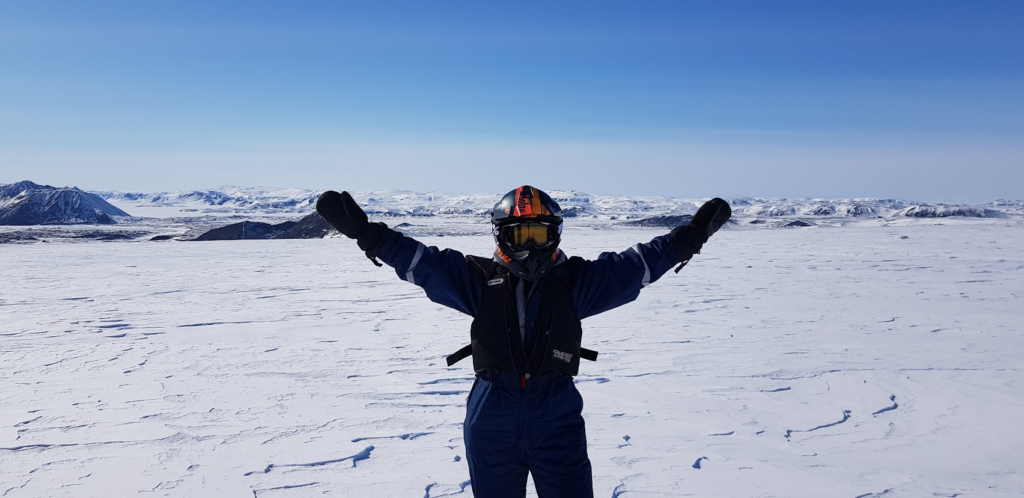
511, 431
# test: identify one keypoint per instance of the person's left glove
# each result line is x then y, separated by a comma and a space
689, 238
342, 212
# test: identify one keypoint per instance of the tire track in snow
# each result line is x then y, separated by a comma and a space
846, 416
462, 489
26, 422
362, 455
894, 406
8, 490
874, 495
404, 437
301, 430
256, 492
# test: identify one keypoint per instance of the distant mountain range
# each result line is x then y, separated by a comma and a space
238, 200
26, 203
223, 199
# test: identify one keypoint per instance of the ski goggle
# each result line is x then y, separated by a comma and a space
518, 235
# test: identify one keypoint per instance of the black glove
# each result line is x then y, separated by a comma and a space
342, 212
711, 216
689, 238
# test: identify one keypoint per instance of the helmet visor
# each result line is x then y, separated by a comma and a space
519, 235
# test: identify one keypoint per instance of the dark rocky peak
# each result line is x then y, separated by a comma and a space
28, 203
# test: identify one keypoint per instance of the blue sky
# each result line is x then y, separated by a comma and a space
913, 99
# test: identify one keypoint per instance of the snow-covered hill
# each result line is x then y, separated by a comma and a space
26, 203
238, 200
221, 200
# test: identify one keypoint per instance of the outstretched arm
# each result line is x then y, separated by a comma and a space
615, 279
444, 275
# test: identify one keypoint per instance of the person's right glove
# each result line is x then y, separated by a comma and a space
689, 238
342, 212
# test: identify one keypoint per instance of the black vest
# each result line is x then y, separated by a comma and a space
495, 340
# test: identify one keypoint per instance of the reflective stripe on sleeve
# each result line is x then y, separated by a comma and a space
647, 270
412, 266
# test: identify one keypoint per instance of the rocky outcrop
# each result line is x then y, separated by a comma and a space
667, 221
944, 211
26, 203
247, 230
310, 227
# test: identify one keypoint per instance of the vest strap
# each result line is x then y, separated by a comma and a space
467, 351
462, 354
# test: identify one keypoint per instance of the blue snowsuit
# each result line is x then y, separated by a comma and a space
512, 428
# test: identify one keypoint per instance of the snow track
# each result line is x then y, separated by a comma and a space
821, 362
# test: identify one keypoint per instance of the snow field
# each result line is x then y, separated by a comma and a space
820, 362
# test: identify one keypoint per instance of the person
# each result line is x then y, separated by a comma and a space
524, 414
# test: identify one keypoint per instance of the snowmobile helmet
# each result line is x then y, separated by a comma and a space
527, 227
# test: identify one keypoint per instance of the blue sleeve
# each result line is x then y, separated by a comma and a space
444, 275
615, 279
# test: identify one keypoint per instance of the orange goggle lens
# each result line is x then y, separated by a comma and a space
519, 234
523, 233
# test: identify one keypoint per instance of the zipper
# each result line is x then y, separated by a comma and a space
522, 347
547, 342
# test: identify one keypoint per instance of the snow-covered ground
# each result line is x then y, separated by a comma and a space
844, 362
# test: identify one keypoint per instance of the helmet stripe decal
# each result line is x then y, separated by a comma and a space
529, 204
524, 201
535, 206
